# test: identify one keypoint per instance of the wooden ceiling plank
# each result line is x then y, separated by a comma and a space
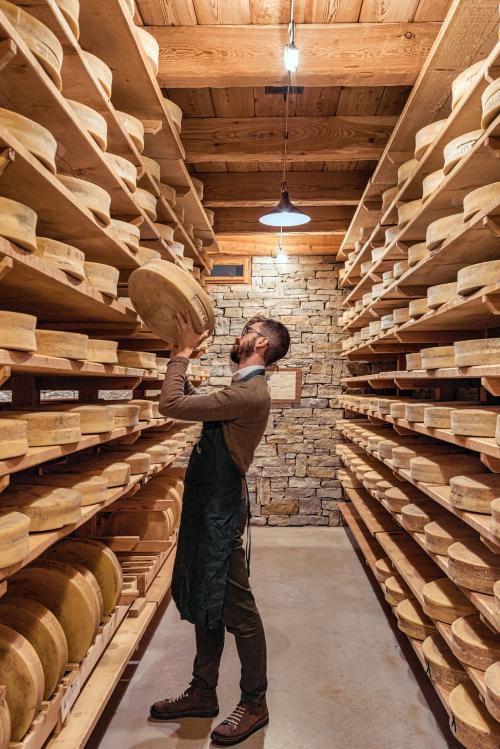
307, 166
272, 166
324, 219
259, 189
240, 166
194, 102
233, 102
220, 56
356, 100
306, 11
387, 11
266, 244
273, 105
317, 100
222, 11
432, 10
309, 138
218, 166
393, 100
167, 12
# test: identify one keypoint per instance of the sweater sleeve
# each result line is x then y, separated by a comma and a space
221, 405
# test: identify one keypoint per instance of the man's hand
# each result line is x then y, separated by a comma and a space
187, 338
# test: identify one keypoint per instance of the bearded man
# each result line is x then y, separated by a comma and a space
211, 575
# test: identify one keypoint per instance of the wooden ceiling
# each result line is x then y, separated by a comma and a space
359, 60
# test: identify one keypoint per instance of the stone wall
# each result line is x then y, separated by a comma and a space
293, 478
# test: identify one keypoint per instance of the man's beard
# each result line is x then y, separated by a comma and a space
241, 351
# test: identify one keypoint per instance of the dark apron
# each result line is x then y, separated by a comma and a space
213, 490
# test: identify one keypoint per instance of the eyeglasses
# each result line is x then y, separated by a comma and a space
249, 329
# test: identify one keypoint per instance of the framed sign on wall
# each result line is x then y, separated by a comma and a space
285, 384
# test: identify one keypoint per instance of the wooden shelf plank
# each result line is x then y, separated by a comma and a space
375, 518
37, 364
422, 376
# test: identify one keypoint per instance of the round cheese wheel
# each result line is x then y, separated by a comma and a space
412, 620
431, 183
480, 198
400, 268
426, 136
478, 352
160, 453
139, 462
91, 488
38, 38
158, 289
13, 438
444, 668
93, 197
62, 344
408, 211
14, 537
387, 322
18, 223
152, 166
495, 511
5, 724
147, 202
372, 477
442, 469
125, 415
413, 362
441, 294
133, 127
457, 148
404, 454
71, 596
127, 233
416, 253
150, 47
415, 412
49, 427
443, 228
446, 530
71, 12
149, 525
418, 307
396, 590
102, 352
474, 277
492, 682
438, 417
388, 197
198, 187
169, 194
46, 507
397, 409
474, 643
165, 232
40, 627
95, 419
34, 137
473, 566
474, 727
474, 422
445, 602
123, 168
417, 514
92, 121
175, 113
62, 255
348, 480
464, 82
475, 493
17, 331
103, 277
22, 674
101, 72
116, 473
406, 170
145, 255
100, 560
383, 569
490, 102
374, 328
436, 357
137, 359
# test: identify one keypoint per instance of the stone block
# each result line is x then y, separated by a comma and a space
299, 520
319, 472
304, 483
329, 504
281, 508
309, 506
258, 520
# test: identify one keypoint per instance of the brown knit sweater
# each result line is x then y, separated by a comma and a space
243, 408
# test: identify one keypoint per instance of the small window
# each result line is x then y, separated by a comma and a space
230, 269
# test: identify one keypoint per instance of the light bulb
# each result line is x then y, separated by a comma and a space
281, 257
291, 57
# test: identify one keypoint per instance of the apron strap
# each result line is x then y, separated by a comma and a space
248, 548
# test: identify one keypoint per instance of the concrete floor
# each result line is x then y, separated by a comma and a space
338, 676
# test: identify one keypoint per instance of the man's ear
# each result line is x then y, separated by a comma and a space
261, 344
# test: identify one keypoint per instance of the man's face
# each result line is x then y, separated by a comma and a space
244, 344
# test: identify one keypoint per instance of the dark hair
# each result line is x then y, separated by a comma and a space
279, 338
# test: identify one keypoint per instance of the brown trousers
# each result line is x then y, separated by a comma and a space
241, 618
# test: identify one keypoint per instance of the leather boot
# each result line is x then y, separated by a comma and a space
189, 704
245, 719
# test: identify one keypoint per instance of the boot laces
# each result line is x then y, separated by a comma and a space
179, 698
235, 718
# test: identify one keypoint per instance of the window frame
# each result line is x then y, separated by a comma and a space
243, 260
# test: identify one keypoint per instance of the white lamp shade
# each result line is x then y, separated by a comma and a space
284, 214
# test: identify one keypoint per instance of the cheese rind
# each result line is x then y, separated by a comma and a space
125, 415
492, 682
475, 493
150, 47
165, 232
127, 233
418, 307
444, 601
17, 331
413, 362
92, 121
152, 166
480, 198
147, 202
96, 419
175, 113
442, 469
46, 507
18, 223
436, 357
490, 102
474, 643
102, 352
396, 590
49, 427
14, 537
100, 71
383, 569
149, 525
473, 566
431, 183
92, 488
406, 170
93, 197
123, 168
41, 628
103, 277
464, 82
71, 11
459, 147
13, 438
474, 277
442, 229
62, 344
441, 294
134, 127
63, 256
427, 135
22, 674
34, 137
474, 422
473, 725
408, 211
138, 359
416, 253
412, 620
444, 667
441, 533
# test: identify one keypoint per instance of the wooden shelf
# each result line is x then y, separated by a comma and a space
37, 364
407, 380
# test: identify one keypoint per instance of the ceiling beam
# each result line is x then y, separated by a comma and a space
324, 220
336, 54
309, 138
267, 244
247, 189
